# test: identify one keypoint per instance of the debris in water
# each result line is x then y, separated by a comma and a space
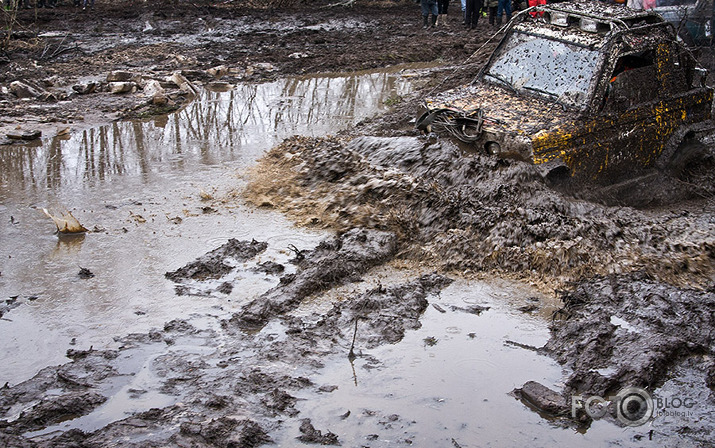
312, 435
85, 273
66, 223
430, 341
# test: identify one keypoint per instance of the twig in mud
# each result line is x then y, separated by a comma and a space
299, 256
351, 355
392, 316
346, 3
520, 345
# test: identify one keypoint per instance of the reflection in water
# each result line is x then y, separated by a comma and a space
217, 127
109, 175
68, 244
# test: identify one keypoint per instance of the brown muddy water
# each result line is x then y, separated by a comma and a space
158, 194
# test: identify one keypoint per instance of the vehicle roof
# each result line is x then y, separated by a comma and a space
565, 21
600, 9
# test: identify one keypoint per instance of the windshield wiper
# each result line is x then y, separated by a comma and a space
536, 89
503, 81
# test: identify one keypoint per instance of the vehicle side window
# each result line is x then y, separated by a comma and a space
634, 80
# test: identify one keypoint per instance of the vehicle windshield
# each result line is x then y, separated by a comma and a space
550, 68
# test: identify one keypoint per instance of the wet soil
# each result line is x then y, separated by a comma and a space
637, 281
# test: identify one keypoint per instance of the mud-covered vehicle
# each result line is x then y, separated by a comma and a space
581, 88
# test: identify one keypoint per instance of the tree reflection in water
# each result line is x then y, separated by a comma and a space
237, 125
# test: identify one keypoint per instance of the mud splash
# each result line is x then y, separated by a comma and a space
469, 211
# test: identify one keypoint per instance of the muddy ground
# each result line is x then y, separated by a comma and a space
636, 275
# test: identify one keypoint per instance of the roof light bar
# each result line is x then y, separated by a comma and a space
559, 19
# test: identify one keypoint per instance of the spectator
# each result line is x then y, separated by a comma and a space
492, 10
474, 10
428, 6
442, 6
503, 8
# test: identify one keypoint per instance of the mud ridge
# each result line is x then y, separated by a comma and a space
474, 212
342, 259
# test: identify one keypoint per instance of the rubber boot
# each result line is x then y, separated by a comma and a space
425, 22
499, 21
434, 20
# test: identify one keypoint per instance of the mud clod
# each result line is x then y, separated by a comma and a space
315, 436
213, 266
639, 327
543, 398
332, 262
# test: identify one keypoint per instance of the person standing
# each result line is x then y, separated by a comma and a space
442, 6
428, 6
474, 10
504, 7
492, 6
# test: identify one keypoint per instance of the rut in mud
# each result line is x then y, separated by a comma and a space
478, 213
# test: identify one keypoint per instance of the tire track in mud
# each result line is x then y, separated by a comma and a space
469, 211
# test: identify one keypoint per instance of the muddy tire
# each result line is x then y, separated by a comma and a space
689, 155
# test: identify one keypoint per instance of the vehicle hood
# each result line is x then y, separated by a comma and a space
503, 109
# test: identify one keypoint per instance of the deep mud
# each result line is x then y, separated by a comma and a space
634, 263
470, 211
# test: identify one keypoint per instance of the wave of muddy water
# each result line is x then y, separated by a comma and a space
434, 357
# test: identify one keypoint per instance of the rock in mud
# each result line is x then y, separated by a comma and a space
122, 76
24, 90
155, 92
343, 258
85, 89
543, 398
213, 264
24, 135
122, 87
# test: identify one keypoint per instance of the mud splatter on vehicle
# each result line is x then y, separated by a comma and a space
588, 89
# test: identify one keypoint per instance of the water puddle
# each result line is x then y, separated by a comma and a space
156, 194
450, 380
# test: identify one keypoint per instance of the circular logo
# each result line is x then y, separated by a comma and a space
634, 406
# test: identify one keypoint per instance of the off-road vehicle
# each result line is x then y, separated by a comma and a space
580, 88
